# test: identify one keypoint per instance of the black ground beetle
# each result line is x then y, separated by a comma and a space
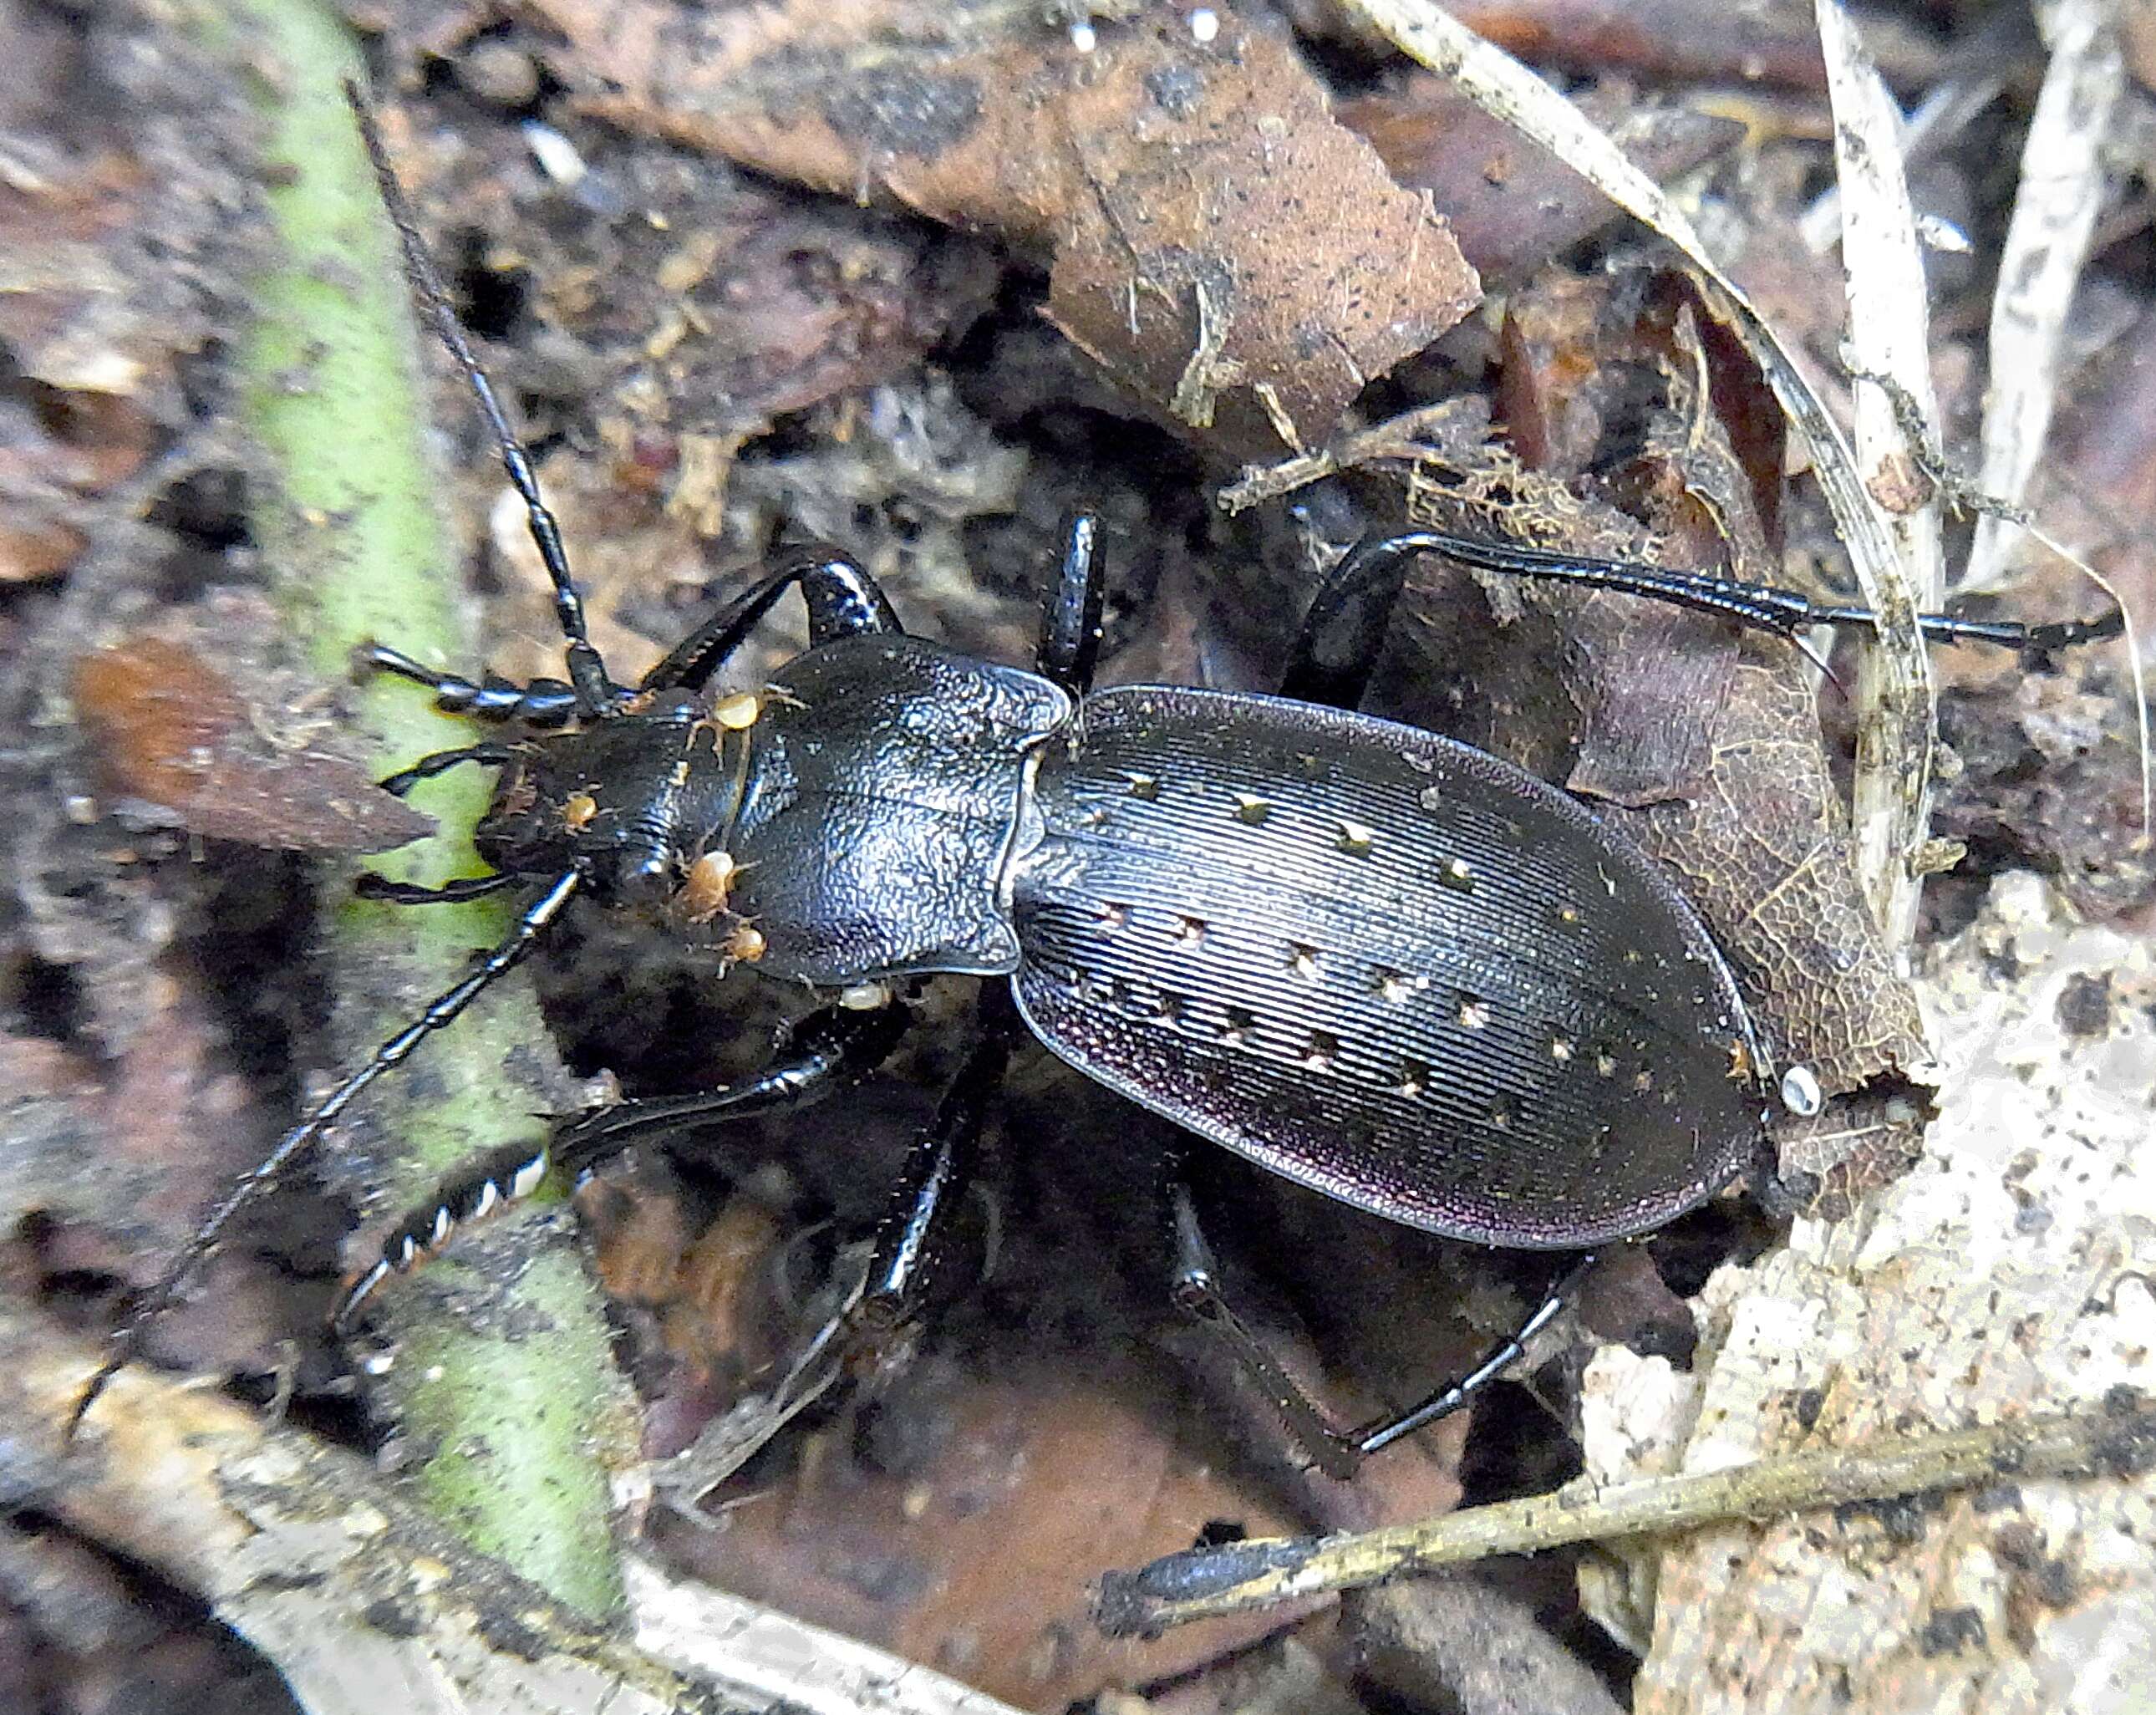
1378, 961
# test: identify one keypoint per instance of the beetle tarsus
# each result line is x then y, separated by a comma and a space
1375, 1436
1336, 1452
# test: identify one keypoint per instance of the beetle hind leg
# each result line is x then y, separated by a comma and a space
1194, 1288
1373, 1437
1336, 1451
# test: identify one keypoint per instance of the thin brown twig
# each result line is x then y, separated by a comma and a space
2115, 1438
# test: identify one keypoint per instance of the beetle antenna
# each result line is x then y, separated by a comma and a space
587, 674
299, 1141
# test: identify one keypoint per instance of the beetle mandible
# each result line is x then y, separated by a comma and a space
1378, 962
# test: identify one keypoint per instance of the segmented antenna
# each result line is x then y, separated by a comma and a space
595, 692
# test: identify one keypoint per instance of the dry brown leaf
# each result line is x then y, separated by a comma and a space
172, 730
1041, 1436
1704, 744
973, 1549
1224, 249
33, 551
1513, 205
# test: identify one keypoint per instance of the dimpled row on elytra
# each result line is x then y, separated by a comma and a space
1380, 964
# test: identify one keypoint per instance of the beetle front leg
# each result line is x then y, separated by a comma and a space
481, 756
824, 1052
367, 884
842, 598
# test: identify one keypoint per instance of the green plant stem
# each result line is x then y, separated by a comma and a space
513, 1402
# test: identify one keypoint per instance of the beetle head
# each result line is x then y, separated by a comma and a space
629, 803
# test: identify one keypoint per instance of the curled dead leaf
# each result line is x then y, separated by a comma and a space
1513, 205
31, 550
1222, 246
1704, 745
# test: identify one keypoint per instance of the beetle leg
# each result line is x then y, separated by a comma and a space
842, 599
1343, 633
544, 703
1385, 1431
1195, 1287
824, 1052
496, 1180
910, 1268
441, 1011
1070, 627
1761, 606
367, 884
1337, 1451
